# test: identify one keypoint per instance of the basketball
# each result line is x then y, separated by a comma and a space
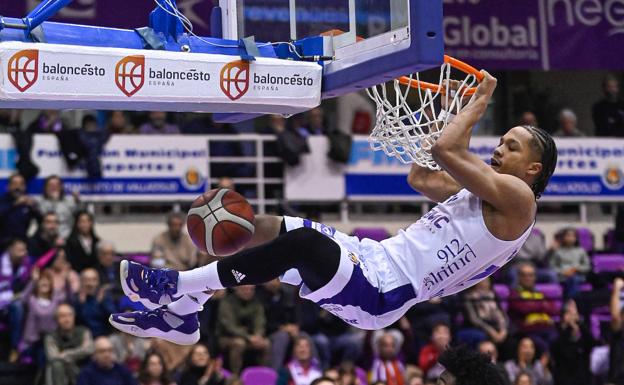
220, 222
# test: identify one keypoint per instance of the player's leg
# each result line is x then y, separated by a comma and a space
313, 254
267, 228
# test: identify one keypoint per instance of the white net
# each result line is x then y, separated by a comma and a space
409, 132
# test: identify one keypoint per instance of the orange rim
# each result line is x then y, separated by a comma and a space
455, 63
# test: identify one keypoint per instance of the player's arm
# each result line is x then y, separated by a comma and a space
436, 185
505, 192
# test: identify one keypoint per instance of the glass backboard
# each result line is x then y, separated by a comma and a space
372, 40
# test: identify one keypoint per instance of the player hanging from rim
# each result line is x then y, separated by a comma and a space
484, 215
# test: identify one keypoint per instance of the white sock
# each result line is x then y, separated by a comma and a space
189, 303
205, 278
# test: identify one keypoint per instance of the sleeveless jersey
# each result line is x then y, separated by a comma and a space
450, 248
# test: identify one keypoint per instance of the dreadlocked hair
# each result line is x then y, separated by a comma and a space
470, 367
545, 146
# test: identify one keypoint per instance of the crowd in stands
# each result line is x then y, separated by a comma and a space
550, 317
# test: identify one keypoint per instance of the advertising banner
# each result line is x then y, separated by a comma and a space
135, 168
535, 34
493, 34
63, 73
588, 169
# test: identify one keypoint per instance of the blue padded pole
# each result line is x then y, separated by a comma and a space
43, 11
216, 23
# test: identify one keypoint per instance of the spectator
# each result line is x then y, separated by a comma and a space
387, 366
316, 122
10, 120
66, 349
572, 348
157, 124
483, 315
282, 326
81, 246
104, 368
533, 250
429, 354
424, 315
616, 351
108, 269
153, 371
324, 381
303, 368
524, 378
130, 350
54, 199
92, 140
201, 369
528, 118
93, 303
48, 121
568, 124
174, 355
173, 248
347, 374
46, 238
61, 272
334, 339
608, 113
525, 361
15, 269
570, 261
17, 211
241, 327
488, 348
41, 301
529, 310
118, 123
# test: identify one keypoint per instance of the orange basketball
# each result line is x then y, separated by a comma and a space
220, 222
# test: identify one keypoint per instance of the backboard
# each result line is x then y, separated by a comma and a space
371, 41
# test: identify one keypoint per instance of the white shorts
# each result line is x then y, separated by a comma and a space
367, 291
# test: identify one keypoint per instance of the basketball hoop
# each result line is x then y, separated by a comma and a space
409, 133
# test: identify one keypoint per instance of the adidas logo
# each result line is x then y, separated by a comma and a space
238, 276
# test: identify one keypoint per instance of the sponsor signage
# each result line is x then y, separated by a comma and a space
49, 72
588, 169
135, 168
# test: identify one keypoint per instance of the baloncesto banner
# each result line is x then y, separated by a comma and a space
62, 76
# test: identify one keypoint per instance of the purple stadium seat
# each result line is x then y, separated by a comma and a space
608, 262
585, 238
374, 233
258, 375
361, 375
502, 294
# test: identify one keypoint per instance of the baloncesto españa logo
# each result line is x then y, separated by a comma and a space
23, 69
235, 79
130, 74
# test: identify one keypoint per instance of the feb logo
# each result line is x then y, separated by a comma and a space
130, 74
235, 79
613, 177
354, 259
23, 69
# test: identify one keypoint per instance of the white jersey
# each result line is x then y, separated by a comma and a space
450, 248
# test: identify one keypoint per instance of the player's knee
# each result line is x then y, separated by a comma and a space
305, 236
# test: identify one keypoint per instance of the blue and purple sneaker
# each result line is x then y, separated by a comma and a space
152, 287
159, 323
